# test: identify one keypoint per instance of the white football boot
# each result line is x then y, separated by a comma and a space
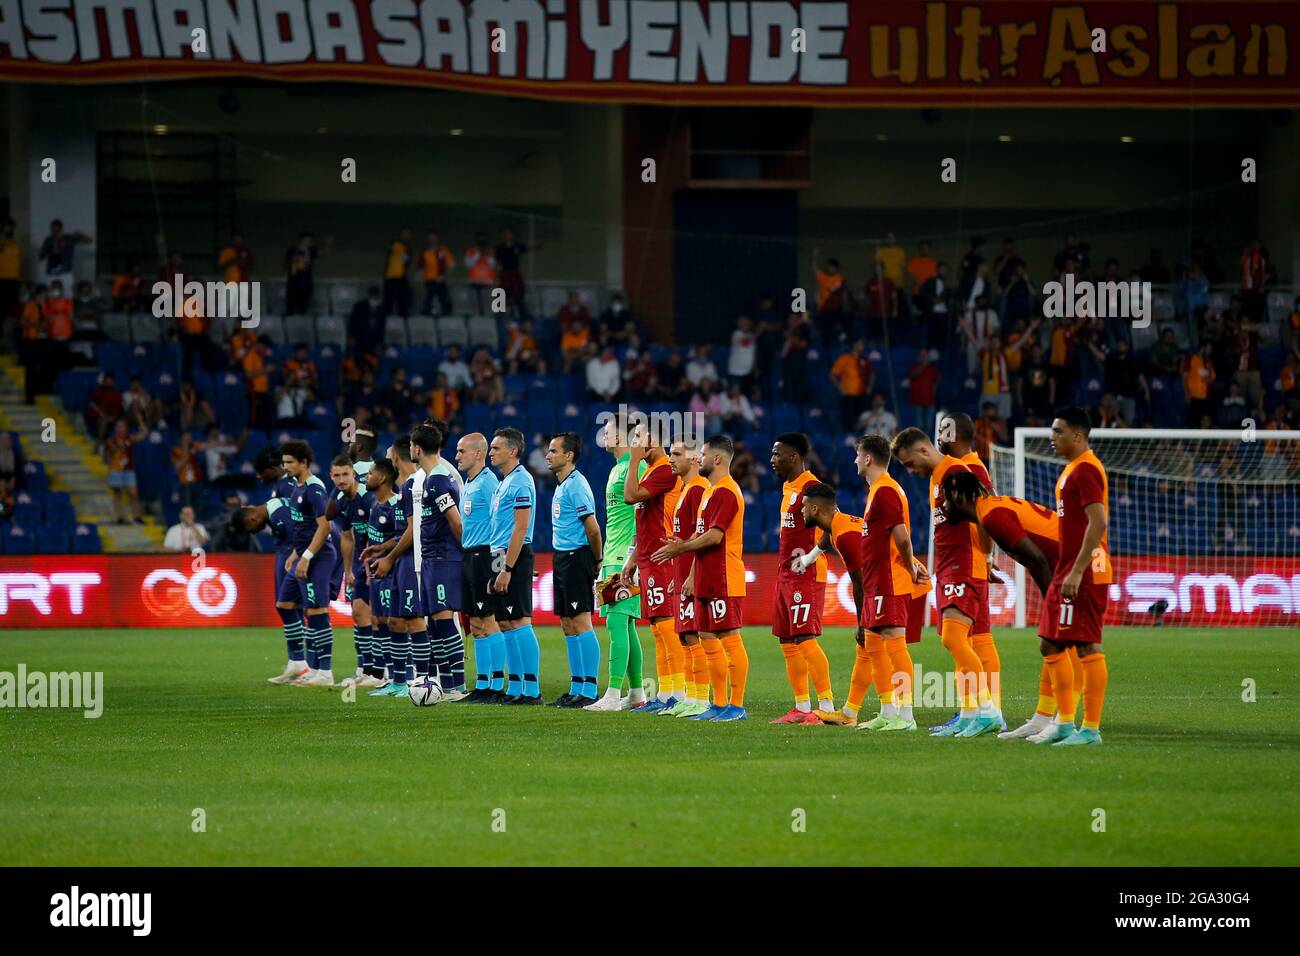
1030, 727
292, 671
610, 703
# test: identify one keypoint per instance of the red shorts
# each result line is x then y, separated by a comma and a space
797, 609
685, 622
1077, 621
713, 615
916, 609
971, 597
885, 610
654, 580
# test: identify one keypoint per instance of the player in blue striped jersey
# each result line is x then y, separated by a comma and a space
382, 527
440, 556
311, 564
270, 471
352, 505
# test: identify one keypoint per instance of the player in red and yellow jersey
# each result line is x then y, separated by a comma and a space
956, 438
1076, 599
717, 579
961, 575
800, 587
650, 494
685, 459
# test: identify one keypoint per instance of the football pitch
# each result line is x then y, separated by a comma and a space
1190, 774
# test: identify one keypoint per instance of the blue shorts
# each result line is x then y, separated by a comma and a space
381, 591
281, 556
440, 581
407, 601
314, 592
360, 590
336, 576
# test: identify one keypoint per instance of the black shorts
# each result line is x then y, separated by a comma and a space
574, 580
517, 602
476, 577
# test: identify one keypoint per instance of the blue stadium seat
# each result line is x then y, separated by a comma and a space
784, 417
58, 508
52, 539
34, 480
28, 513
17, 540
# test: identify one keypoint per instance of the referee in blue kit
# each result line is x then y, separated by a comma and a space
476, 572
575, 538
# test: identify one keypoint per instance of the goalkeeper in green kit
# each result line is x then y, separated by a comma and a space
620, 600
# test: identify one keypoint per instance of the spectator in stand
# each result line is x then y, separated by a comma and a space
979, 289
509, 254
921, 268
481, 264
238, 345
641, 381
522, 352
854, 377
235, 260
970, 264
832, 298
1288, 382
486, 374
1006, 264
141, 409
1089, 359
354, 364
932, 302
1254, 276
1198, 378
59, 249
1164, 356
701, 366
397, 267
1291, 331
300, 370
119, 455
892, 261
436, 263
574, 345
457, 371
366, 321
881, 301
737, 413
11, 275
981, 330
543, 477
616, 322
291, 400
573, 310
128, 291
1061, 358
443, 402
1241, 343
990, 430
57, 312
187, 534
744, 349
877, 420
1154, 271
1124, 379
1233, 410
1076, 252
191, 410
396, 400
745, 468
194, 327
705, 406
1015, 346
8, 470
771, 328
87, 313
103, 408
995, 377
1018, 295
671, 384
299, 269
217, 448
362, 395
257, 374
922, 384
1035, 398
32, 344
1108, 413
604, 375
794, 359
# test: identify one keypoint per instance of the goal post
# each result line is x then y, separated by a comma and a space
1204, 525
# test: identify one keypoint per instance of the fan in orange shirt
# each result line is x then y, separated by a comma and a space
717, 579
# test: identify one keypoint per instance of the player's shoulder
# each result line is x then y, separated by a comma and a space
314, 482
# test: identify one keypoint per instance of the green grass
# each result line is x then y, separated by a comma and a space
1189, 774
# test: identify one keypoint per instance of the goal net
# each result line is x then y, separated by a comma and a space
1204, 526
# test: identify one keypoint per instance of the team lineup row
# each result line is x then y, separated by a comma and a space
419, 546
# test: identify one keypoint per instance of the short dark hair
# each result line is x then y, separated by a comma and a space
1076, 418
819, 490
877, 446
963, 426
513, 437
908, 438
722, 443
297, 449
387, 469
426, 437
341, 460
363, 444
268, 457
796, 441
239, 520
570, 442
402, 443
443, 429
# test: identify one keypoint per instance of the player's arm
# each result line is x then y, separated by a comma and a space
317, 542
903, 542
859, 594
633, 491
709, 539
1034, 561
1096, 512
592, 527
446, 504
347, 545
629, 563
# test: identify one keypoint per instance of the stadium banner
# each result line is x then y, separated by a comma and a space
846, 53
236, 590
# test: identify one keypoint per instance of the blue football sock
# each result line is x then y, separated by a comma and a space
401, 651
420, 650
384, 651
590, 645
514, 663
497, 658
364, 635
482, 663
319, 627
293, 632
453, 677
309, 642
530, 654
574, 648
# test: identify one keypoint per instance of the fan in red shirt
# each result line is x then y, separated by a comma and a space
800, 586
654, 495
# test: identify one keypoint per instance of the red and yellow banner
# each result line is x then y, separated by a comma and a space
704, 52
237, 590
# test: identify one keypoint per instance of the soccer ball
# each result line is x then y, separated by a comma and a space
425, 692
